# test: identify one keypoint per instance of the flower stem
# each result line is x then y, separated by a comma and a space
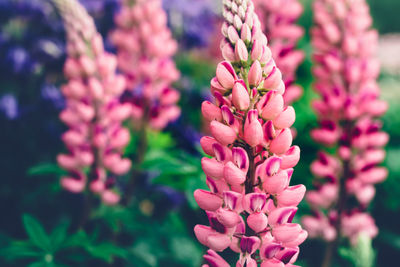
341, 206
251, 174
86, 210
138, 158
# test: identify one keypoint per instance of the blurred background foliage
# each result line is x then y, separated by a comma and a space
40, 223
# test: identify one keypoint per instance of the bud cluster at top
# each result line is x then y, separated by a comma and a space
250, 204
95, 138
346, 71
278, 19
144, 50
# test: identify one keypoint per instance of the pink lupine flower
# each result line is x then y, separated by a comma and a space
278, 19
346, 71
144, 50
250, 204
95, 138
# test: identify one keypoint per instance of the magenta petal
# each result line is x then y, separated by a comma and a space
240, 158
282, 215
227, 115
207, 200
282, 142
202, 232
269, 131
212, 168
206, 143
218, 242
257, 222
214, 260
226, 74
272, 165
233, 200
219, 152
252, 115
269, 250
233, 175
291, 157
291, 196
287, 254
286, 232
228, 218
249, 244
277, 183
272, 263
222, 133
254, 202
210, 111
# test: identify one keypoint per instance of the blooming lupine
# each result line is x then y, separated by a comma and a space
250, 204
346, 72
93, 112
145, 47
278, 19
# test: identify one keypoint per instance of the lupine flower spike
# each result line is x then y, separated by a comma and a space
278, 19
145, 47
93, 112
250, 204
346, 71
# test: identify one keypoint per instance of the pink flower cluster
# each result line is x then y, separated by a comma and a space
145, 48
93, 113
278, 18
346, 72
250, 204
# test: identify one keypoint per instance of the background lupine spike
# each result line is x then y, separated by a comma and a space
95, 138
144, 49
278, 19
346, 71
252, 152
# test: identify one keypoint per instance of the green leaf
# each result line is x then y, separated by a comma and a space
79, 239
103, 251
198, 182
46, 169
116, 216
38, 264
20, 249
143, 251
185, 250
106, 252
159, 140
36, 232
58, 235
173, 169
390, 238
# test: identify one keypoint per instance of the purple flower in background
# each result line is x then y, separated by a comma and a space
32, 48
52, 93
18, 60
9, 106
193, 21
174, 198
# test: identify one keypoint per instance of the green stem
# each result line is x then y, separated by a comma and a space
340, 208
138, 158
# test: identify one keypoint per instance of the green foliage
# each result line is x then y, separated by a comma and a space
40, 246
36, 233
391, 239
173, 167
46, 169
362, 254
155, 241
